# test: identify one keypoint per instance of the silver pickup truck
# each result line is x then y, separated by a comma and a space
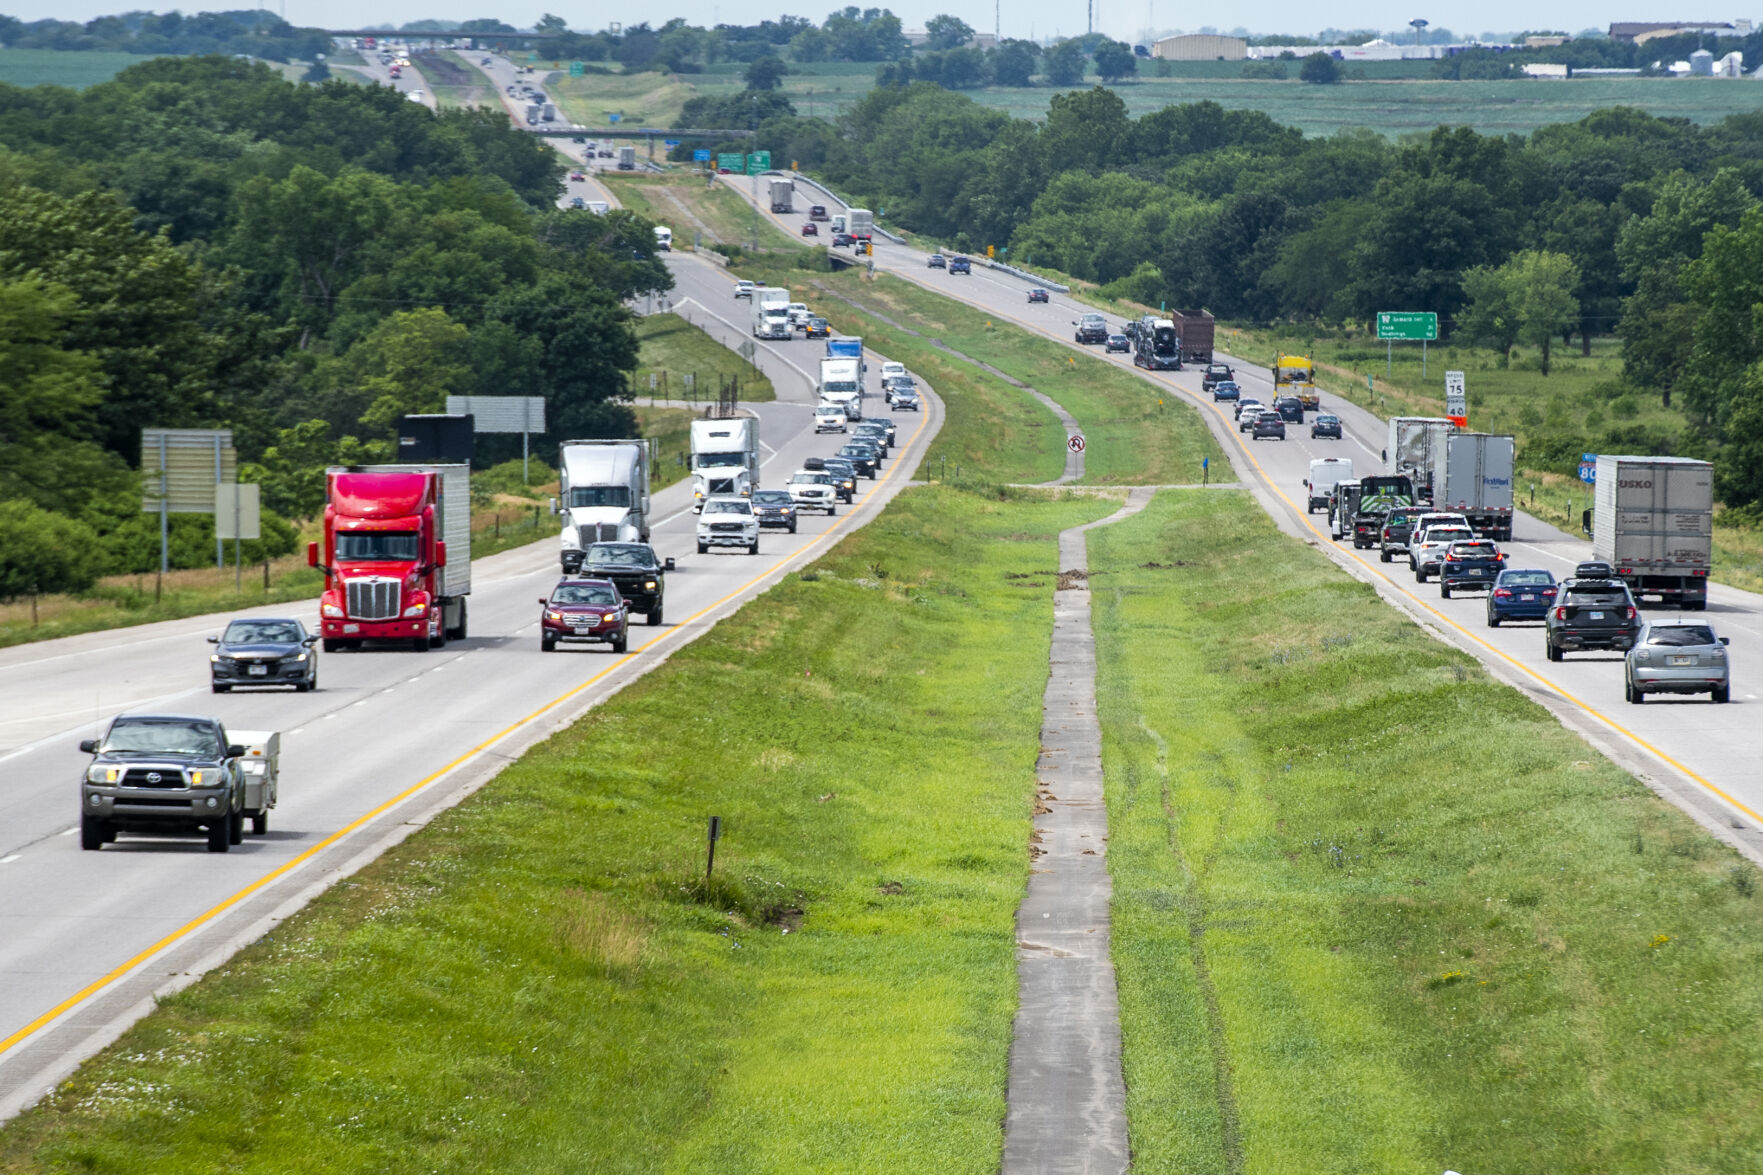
163, 773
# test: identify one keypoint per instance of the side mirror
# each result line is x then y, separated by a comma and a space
440, 554
1726, 640
235, 751
89, 746
214, 640
553, 502
312, 554
543, 601
310, 641
1306, 483
668, 565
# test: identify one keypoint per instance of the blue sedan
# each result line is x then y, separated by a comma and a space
1224, 390
1520, 594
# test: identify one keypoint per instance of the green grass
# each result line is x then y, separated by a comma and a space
57, 67
687, 204
455, 83
1135, 436
672, 348
1393, 99
541, 981
672, 430
1422, 925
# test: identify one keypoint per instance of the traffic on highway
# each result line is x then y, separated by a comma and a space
1701, 755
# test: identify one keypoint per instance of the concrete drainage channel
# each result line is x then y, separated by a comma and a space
1066, 1107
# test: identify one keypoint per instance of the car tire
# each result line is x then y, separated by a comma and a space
1493, 621
1383, 556
703, 548
259, 823
218, 836
222, 689
1721, 695
1444, 590
623, 642
1551, 652
235, 828
91, 833
1419, 575
753, 547
547, 645
792, 528
654, 617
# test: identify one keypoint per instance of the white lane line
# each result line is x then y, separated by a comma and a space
68, 831
768, 448
9, 859
296, 730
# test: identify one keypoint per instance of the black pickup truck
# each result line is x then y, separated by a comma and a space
1473, 564
163, 773
641, 577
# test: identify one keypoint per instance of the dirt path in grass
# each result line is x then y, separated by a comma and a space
1066, 1108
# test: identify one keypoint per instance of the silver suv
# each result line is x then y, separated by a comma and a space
1677, 656
1426, 553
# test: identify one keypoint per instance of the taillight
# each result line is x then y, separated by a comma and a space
1549, 592
1503, 593
1628, 613
1560, 614
1386, 532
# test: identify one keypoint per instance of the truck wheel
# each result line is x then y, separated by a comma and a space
655, 616
753, 547
702, 548
1384, 555
91, 833
330, 646
235, 828
459, 633
439, 640
217, 836
259, 823
420, 644
1444, 590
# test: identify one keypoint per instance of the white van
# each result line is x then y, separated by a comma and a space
664, 238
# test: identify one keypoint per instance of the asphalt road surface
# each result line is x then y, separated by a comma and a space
390, 737
1701, 755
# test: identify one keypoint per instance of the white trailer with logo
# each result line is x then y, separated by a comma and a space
1653, 523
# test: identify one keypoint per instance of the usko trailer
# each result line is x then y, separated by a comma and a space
1653, 523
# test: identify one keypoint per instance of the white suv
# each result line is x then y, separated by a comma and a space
728, 521
743, 289
813, 489
830, 418
1426, 553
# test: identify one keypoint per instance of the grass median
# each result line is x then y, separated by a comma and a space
541, 980
1375, 911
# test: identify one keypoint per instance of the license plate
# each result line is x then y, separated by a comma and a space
1597, 616
1476, 571
1683, 660
584, 631
1527, 596
351, 628
257, 670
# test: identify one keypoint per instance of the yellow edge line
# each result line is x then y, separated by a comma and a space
188, 928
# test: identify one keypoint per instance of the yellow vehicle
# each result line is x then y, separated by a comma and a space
1295, 375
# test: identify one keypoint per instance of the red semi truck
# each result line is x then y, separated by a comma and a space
396, 555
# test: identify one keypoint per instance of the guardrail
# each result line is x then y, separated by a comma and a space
1026, 276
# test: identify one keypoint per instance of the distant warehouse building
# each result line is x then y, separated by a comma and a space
1199, 47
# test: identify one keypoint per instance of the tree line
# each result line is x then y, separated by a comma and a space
200, 243
250, 32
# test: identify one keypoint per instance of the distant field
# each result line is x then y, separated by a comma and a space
1386, 102
38, 67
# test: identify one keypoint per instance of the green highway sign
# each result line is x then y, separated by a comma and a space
731, 161
758, 161
1418, 325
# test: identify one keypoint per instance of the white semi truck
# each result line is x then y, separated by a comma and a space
1653, 523
771, 313
841, 384
725, 458
1412, 442
603, 489
783, 195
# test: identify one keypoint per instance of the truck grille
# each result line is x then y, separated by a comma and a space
373, 599
598, 532
727, 527
153, 777
722, 485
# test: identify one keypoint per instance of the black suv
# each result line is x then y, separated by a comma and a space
866, 459
1215, 374
1092, 328
640, 577
843, 473
162, 773
775, 508
1290, 408
1591, 614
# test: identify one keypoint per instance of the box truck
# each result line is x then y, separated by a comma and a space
783, 195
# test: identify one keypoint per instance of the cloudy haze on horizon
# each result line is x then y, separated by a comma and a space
1124, 19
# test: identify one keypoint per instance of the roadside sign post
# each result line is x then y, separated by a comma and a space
238, 515
1456, 399
715, 835
1407, 326
1075, 444
1588, 469
1205, 471
187, 464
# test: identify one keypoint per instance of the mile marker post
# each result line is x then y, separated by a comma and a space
715, 835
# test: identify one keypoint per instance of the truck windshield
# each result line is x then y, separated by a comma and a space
389, 545
711, 460
152, 736
838, 385
599, 496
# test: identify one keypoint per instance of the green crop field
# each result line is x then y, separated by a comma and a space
39, 67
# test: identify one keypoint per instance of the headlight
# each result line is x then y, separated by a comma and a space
551, 615
214, 658
416, 610
301, 657
697, 493
332, 610
101, 774
196, 779
649, 585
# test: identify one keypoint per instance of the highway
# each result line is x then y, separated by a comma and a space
411, 83
391, 737
1702, 756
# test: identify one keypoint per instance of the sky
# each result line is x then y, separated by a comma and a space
1124, 19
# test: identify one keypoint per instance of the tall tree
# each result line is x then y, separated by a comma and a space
1063, 64
947, 32
1115, 61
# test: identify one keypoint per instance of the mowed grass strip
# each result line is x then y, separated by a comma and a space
672, 348
1375, 911
541, 980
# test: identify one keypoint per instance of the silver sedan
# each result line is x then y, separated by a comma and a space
1677, 656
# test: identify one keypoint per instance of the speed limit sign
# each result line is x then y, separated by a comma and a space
1075, 444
